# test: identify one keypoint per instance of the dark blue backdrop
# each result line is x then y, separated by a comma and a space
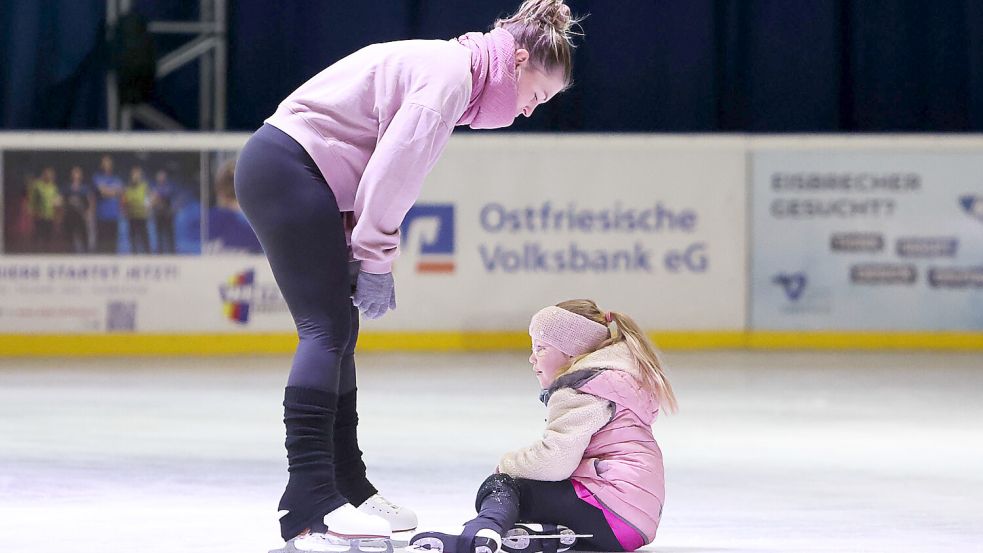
646, 65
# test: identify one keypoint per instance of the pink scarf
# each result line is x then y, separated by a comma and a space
494, 93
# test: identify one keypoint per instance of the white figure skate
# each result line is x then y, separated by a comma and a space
401, 519
348, 530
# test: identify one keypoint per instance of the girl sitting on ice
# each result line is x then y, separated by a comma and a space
597, 469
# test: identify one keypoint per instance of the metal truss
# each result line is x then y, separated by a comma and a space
207, 46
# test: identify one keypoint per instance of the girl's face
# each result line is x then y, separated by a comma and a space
546, 362
535, 86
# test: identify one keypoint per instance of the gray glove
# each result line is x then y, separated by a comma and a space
374, 294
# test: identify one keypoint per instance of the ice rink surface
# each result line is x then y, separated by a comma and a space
784, 452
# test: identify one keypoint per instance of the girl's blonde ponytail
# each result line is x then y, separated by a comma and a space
648, 358
628, 331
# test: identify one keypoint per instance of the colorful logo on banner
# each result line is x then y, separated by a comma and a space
428, 231
235, 304
973, 205
243, 298
794, 284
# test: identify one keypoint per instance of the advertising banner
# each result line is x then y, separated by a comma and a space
141, 294
113, 238
652, 227
505, 225
867, 240
91, 202
119, 201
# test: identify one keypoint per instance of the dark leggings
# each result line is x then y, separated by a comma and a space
295, 215
502, 501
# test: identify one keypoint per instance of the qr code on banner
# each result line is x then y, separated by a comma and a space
121, 316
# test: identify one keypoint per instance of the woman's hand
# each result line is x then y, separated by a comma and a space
374, 294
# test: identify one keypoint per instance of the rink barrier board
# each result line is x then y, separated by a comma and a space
51, 345
280, 343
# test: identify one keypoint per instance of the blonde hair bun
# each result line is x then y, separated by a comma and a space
561, 17
554, 13
546, 29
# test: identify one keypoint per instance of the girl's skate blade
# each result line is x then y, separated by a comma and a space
527, 537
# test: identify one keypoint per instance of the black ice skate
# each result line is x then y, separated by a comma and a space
482, 541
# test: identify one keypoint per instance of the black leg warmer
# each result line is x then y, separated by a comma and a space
309, 416
349, 467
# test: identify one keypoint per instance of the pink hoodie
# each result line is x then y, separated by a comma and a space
376, 122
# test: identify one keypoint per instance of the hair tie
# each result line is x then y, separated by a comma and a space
607, 317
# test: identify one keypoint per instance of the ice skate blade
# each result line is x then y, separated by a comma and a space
555, 536
371, 545
520, 539
334, 544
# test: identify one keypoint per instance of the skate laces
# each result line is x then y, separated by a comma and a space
383, 502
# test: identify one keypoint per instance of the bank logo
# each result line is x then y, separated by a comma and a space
794, 284
235, 304
973, 205
428, 232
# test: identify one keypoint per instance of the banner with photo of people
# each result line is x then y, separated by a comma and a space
226, 229
123, 238
122, 202
108, 203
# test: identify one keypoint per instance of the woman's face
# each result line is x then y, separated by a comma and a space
546, 362
535, 85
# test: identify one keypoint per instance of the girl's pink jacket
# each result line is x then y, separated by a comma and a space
622, 465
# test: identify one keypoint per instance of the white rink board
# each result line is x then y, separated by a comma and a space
659, 220
542, 219
174, 294
867, 239
509, 222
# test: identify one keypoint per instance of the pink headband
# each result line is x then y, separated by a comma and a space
568, 332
